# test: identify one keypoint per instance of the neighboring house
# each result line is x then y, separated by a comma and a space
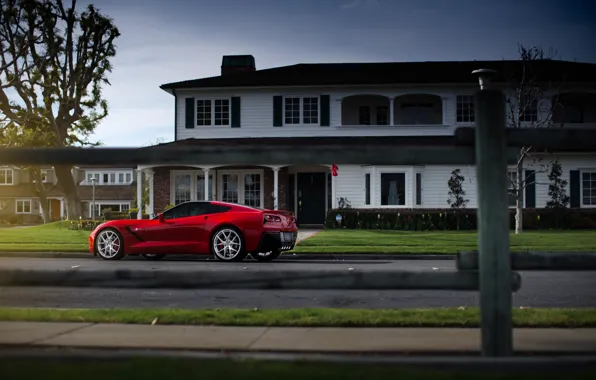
18, 196
416, 101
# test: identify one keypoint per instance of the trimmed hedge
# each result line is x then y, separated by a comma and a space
450, 219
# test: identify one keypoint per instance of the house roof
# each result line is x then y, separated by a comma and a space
115, 192
387, 73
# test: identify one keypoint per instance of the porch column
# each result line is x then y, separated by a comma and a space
333, 191
373, 187
149, 176
207, 184
444, 105
340, 100
140, 193
275, 187
61, 208
391, 111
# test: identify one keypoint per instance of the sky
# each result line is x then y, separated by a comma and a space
172, 40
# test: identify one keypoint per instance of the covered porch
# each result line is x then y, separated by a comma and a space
305, 190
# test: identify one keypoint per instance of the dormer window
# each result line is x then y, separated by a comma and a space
6, 176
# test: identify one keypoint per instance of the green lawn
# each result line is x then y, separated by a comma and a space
162, 368
434, 317
55, 237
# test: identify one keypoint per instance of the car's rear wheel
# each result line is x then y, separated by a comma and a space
227, 244
109, 244
266, 256
153, 256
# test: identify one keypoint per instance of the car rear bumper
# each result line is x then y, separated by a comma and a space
272, 241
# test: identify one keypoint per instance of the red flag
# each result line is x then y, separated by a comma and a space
334, 170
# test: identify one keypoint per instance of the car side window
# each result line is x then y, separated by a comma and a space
179, 211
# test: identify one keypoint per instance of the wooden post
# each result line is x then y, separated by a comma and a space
493, 219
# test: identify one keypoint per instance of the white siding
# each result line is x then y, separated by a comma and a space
350, 182
256, 109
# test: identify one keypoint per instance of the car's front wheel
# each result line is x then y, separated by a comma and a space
109, 244
266, 256
227, 244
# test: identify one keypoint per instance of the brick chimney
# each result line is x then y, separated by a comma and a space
237, 63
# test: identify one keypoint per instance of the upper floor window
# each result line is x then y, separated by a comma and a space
528, 110
298, 110
109, 178
465, 109
6, 176
213, 112
574, 107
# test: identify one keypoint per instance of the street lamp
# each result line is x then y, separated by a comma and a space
93, 179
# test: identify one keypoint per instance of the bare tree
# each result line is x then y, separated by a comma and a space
531, 101
55, 62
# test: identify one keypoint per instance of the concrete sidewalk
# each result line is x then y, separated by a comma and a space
281, 339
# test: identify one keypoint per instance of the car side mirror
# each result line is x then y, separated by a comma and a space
160, 217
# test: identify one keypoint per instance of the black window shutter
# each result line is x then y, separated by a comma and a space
190, 112
278, 111
367, 189
530, 189
325, 112
235, 112
574, 188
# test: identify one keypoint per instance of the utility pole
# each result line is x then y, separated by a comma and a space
495, 275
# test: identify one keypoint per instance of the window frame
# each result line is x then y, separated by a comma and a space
212, 105
301, 118
16, 208
581, 187
100, 174
241, 190
465, 100
101, 203
379, 191
12, 173
193, 183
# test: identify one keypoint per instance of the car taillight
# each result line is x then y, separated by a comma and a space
271, 218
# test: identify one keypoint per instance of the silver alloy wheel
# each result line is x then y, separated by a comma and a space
227, 244
108, 244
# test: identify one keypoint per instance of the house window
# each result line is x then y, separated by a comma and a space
382, 115
296, 108
310, 110
181, 188
367, 189
201, 187
465, 109
531, 111
6, 177
244, 188
222, 112
292, 110
252, 190
101, 207
44, 175
23, 206
364, 115
203, 112
589, 189
393, 189
512, 182
418, 189
128, 177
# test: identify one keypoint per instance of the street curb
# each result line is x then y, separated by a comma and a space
284, 257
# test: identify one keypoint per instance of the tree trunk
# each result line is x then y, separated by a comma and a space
71, 192
43, 204
519, 197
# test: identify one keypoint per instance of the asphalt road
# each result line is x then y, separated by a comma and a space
539, 288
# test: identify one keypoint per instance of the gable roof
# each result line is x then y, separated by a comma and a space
387, 73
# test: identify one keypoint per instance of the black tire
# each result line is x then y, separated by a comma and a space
266, 258
153, 257
241, 255
109, 231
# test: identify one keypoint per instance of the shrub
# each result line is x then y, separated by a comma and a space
447, 219
83, 224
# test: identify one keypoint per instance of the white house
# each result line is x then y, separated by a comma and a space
425, 101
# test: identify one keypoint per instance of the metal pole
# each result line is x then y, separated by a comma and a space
93, 199
493, 219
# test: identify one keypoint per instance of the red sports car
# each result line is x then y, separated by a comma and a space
228, 231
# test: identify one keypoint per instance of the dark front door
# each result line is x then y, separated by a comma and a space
311, 198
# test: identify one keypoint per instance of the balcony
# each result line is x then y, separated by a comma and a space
411, 110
